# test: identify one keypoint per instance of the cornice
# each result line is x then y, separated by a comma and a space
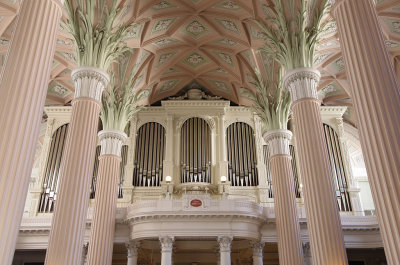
195, 103
333, 110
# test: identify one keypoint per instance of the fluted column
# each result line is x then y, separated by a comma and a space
258, 248
376, 97
133, 248
323, 220
167, 242
225, 249
70, 214
84, 253
287, 219
105, 203
23, 90
307, 254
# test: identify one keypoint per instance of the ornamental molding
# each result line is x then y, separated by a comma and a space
143, 121
111, 142
278, 142
195, 103
90, 82
302, 83
235, 110
333, 110
210, 121
231, 120
55, 111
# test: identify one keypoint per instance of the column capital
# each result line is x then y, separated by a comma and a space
133, 247
258, 248
302, 83
90, 82
278, 142
167, 242
225, 243
111, 142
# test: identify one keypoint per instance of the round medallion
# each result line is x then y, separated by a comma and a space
195, 203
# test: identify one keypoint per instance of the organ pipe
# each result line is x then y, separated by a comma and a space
337, 168
149, 157
50, 181
242, 163
195, 151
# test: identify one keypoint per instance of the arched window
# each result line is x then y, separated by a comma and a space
242, 161
50, 181
338, 169
294, 169
195, 151
124, 156
150, 146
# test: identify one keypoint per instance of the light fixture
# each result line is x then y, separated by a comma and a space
223, 179
168, 179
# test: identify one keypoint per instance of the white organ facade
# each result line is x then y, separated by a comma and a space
195, 188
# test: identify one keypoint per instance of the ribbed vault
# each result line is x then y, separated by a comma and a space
209, 42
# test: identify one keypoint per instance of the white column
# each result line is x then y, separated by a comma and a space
263, 187
225, 249
38, 188
168, 163
23, 87
167, 242
258, 248
133, 249
223, 163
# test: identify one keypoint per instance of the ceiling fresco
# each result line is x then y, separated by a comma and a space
213, 43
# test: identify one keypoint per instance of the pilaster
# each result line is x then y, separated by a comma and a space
353, 190
127, 185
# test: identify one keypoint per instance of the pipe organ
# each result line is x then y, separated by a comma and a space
150, 153
294, 169
242, 162
50, 181
195, 151
337, 166
124, 156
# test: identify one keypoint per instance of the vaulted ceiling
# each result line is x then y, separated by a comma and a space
208, 43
